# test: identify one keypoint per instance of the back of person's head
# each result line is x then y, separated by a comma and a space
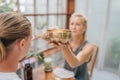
13, 26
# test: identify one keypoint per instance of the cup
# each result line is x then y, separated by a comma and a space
48, 64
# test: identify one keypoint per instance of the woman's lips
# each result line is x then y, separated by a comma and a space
73, 31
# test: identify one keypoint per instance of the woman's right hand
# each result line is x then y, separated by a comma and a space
43, 36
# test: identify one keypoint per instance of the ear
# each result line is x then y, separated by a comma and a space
21, 43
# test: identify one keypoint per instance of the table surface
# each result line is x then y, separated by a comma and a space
39, 74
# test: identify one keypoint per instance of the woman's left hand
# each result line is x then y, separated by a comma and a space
59, 44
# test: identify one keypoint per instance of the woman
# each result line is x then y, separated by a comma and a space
15, 39
78, 52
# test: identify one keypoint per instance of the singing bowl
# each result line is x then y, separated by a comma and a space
59, 35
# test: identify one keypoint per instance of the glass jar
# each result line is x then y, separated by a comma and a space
48, 69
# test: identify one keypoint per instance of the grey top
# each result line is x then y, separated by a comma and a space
81, 72
9, 76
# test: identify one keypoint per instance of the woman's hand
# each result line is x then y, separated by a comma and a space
44, 35
59, 44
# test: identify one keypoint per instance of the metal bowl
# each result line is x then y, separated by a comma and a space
59, 35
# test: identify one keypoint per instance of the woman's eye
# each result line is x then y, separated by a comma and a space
71, 23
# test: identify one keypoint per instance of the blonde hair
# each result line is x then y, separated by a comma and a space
13, 26
83, 18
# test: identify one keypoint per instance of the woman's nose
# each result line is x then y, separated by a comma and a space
74, 26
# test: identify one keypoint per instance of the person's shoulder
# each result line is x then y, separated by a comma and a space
91, 45
9, 76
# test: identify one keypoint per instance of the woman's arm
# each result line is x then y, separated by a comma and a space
33, 59
50, 51
82, 57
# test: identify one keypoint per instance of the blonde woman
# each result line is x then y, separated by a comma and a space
15, 39
78, 52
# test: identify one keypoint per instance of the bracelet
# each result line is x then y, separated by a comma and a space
40, 56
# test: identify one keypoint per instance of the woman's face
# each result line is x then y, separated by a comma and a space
76, 26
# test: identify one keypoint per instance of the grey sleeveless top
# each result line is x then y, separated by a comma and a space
80, 72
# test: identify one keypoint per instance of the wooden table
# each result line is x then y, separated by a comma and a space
39, 74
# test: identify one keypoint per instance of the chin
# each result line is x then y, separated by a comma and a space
74, 34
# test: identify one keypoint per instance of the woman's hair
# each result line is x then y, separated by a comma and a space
83, 18
13, 26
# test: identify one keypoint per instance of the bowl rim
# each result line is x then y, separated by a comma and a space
59, 30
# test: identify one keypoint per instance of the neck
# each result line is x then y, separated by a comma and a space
9, 65
78, 39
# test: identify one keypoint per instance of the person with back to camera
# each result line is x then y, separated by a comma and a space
78, 51
15, 39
